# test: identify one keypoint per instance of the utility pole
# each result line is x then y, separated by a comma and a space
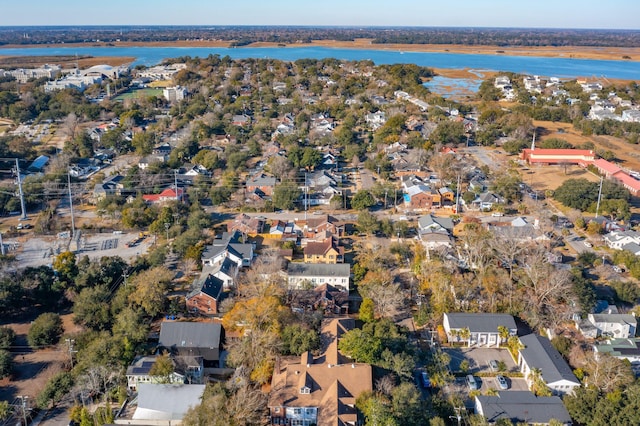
73, 223
385, 198
23, 399
599, 196
70, 343
175, 179
1, 246
22, 206
306, 196
458, 195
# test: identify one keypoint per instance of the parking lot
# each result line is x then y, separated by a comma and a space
478, 358
37, 251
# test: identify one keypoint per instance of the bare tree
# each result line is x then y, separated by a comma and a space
280, 166
546, 288
71, 126
608, 373
264, 278
387, 297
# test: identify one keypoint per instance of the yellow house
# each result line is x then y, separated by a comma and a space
324, 252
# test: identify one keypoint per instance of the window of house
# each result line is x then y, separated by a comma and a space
297, 411
276, 410
305, 390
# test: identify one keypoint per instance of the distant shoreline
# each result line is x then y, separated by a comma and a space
631, 54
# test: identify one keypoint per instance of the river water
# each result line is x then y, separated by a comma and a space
550, 67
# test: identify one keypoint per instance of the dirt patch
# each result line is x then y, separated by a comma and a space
628, 155
63, 61
32, 368
542, 178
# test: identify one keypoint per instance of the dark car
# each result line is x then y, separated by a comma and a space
424, 378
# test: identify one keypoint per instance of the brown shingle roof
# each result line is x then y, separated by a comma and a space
333, 381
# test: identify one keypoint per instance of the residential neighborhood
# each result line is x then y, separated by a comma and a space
316, 242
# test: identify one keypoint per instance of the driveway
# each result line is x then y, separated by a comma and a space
479, 358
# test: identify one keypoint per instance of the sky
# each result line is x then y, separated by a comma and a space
611, 14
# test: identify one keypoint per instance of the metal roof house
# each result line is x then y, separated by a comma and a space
538, 353
483, 328
193, 338
161, 404
522, 407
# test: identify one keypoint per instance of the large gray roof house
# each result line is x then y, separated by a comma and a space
193, 338
538, 353
483, 328
522, 407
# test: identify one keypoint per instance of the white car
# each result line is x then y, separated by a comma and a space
588, 244
502, 382
497, 214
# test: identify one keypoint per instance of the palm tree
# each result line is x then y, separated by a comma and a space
503, 334
538, 386
465, 334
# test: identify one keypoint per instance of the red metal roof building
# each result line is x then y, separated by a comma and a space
581, 157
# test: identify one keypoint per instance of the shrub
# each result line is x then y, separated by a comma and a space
45, 330
7, 337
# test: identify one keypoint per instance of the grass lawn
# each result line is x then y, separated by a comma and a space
138, 93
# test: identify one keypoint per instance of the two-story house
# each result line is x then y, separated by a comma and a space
205, 295
320, 390
261, 182
202, 339
327, 251
301, 275
609, 325
187, 369
478, 329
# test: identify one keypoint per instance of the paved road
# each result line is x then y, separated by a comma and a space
578, 243
483, 155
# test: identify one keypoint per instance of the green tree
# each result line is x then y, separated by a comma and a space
563, 345
162, 368
6, 364
362, 200
91, 308
65, 267
448, 133
368, 223
56, 388
298, 339
143, 142
7, 337
150, 290
45, 330
367, 310
285, 195
5, 410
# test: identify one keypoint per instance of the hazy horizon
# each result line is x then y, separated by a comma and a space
543, 14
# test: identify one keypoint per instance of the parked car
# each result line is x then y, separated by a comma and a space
472, 382
497, 214
502, 382
426, 382
588, 244
493, 365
